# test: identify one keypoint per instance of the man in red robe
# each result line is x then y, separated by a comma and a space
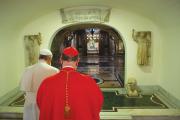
69, 95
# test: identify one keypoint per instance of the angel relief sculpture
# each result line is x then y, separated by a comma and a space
32, 48
143, 39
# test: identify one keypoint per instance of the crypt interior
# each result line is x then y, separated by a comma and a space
130, 48
101, 51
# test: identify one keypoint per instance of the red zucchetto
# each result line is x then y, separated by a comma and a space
70, 51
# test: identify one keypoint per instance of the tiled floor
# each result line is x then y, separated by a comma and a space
108, 68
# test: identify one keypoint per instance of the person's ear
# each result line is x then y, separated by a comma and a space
48, 60
77, 62
60, 61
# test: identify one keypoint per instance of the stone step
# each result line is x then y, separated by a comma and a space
114, 116
11, 116
156, 118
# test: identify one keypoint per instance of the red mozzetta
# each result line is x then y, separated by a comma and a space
85, 98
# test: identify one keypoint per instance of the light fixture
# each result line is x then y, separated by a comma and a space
92, 33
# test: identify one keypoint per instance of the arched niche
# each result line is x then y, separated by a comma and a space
107, 62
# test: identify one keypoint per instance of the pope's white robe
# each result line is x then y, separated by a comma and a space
30, 82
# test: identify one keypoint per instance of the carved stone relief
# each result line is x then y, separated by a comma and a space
32, 48
85, 14
143, 39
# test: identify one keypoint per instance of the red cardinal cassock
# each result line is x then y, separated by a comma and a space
69, 95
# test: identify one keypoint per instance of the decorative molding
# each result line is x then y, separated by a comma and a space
10, 96
168, 97
85, 14
165, 96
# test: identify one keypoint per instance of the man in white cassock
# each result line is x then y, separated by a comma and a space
31, 80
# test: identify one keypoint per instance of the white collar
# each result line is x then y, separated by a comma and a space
68, 66
42, 61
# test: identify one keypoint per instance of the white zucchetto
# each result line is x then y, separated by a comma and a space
45, 52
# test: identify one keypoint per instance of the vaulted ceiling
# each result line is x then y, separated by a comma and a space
17, 13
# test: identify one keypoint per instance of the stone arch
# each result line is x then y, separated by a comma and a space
57, 40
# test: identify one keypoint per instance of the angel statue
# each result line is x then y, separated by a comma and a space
143, 39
